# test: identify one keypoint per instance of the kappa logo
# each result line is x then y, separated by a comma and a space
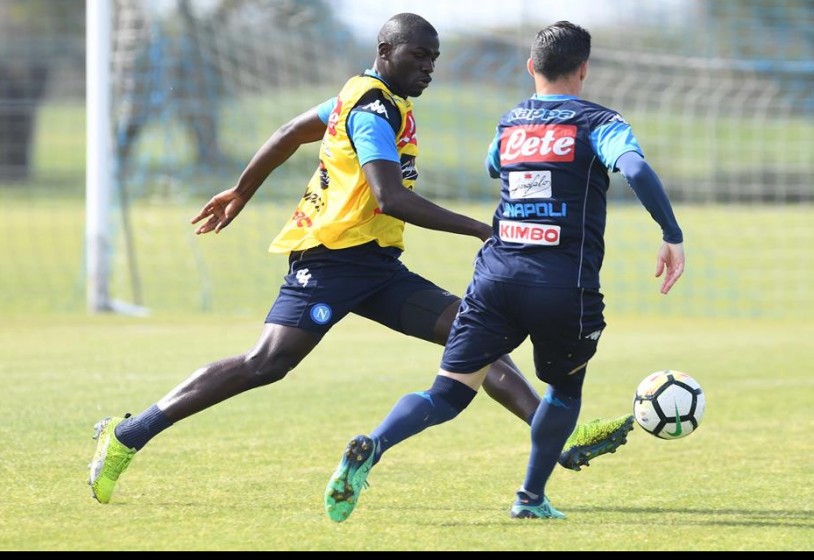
376, 107
303, 277
617, 118
540, 114
554, 401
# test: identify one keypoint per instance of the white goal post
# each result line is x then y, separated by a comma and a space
99, 177
100, 182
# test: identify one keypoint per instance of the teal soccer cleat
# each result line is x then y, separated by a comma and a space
522, 509
350, 478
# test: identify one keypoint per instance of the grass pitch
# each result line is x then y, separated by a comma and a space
249, 473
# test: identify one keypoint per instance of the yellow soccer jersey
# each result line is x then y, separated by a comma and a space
338, 209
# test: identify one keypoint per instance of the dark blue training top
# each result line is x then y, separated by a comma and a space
553, 154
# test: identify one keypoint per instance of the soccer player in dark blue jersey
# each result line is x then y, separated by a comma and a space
344, 243
537, 276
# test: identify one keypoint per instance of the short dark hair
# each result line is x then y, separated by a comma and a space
559, 49
402, 28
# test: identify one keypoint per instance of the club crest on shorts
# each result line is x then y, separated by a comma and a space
321, 313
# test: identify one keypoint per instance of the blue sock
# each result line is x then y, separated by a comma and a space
136, 431
555, 419
415, 412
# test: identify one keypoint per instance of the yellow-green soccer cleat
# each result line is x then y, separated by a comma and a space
523, 510
350, 477
110, 460
594, 439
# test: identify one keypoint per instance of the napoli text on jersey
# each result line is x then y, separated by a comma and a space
338, 209
553, 155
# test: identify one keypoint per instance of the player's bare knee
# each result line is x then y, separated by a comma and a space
264, 369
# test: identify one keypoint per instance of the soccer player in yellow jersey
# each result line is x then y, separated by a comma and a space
344, 243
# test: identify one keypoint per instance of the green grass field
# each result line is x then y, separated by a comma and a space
249, 474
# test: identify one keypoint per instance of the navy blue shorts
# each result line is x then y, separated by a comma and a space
324, 285
564, 325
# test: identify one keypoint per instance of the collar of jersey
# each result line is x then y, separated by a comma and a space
373, 73
553, 97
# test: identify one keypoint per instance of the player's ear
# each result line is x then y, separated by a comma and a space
530, 67
583, 71
384, 49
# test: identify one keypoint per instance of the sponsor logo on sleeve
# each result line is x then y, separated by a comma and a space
409, 171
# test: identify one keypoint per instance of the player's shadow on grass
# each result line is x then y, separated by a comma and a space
803, 519
712, 516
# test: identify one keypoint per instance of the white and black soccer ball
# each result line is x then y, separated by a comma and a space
669, 404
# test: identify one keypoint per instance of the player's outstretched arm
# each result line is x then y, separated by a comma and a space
670, 263
384, 178
224, 207
648, 188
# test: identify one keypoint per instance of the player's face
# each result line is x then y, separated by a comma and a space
409, 65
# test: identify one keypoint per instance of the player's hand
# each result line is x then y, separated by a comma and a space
671, 260
219, 211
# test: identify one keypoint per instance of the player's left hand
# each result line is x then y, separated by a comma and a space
671, 260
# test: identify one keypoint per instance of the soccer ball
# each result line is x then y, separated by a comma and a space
669, 404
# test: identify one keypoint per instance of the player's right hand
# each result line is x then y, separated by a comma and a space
219, 211
671, 259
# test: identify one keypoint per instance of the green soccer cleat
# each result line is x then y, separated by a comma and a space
110, 459
350, 477
523, 510
594, 439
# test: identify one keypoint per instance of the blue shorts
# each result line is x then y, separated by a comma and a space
564, 325
323, 285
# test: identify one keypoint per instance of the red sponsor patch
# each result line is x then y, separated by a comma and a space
532, 234
333, 118
409, 135
301, 219
537, 143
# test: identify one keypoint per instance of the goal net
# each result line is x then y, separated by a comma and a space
720, 95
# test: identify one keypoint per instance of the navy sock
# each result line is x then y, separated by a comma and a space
136, 431
528, 498
553, 422
415, 412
